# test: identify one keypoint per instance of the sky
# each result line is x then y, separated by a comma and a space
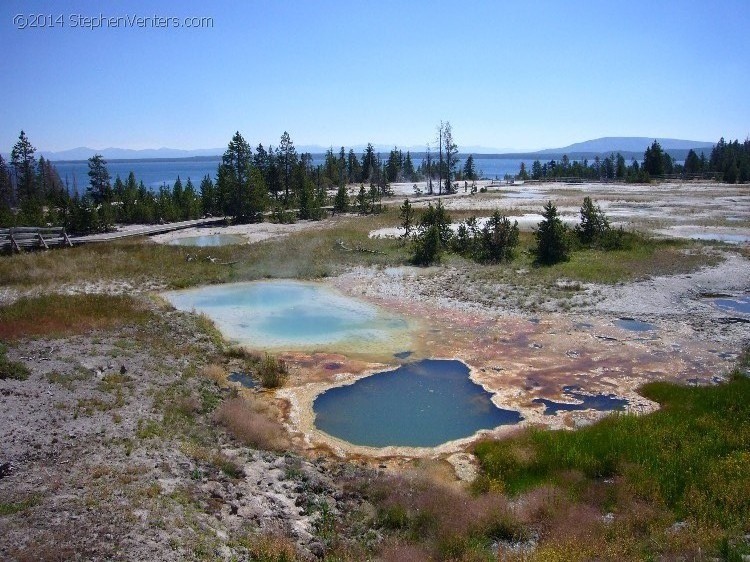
506, 74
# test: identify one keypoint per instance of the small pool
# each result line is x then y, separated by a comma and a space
721, 237
600, 402
420, 404
739, 304
244, 379
296, 315
209, 240
634, 325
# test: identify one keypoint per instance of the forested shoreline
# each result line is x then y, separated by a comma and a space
278, 182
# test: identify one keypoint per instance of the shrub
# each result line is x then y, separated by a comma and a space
272, 371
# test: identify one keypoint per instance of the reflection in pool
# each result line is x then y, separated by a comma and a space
293, 315
208, 240
421, 404
601, 402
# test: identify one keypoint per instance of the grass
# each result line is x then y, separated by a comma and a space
252, 422
144, 263
11, 369
64, 315
688, 461
18, 507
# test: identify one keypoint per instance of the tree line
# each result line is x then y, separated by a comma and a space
248, 185
729, 162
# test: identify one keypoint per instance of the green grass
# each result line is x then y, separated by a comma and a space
17, 507
692, 455
11, 369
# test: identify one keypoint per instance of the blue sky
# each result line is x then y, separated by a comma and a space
506, 74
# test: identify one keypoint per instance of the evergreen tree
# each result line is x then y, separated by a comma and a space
499, 239
286, 159
24, 165
653, 160
469, 171
208, 196
409, 171
406, 214
451, 157
551, 237
363, 206
522, 175
536, 170
594, 224
341, 202
99, 187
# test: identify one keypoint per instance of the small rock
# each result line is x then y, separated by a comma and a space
123, 370
317, 549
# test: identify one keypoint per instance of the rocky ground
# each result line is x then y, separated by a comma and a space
110, 452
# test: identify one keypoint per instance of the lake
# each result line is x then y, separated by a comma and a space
155, 173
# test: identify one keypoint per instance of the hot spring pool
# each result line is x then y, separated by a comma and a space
208, 240
420, 404
295, 315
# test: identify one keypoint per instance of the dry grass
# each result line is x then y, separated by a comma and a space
252, 422
64, 315
269, 548
215, 373
272, 371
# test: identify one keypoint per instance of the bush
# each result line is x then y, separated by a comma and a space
272, 371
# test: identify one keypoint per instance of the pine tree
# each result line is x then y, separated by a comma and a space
99, 187
406, 214
551, 237
594, 224
469, 171
341, 202
24, 164
286, 158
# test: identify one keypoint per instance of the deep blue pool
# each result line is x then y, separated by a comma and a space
420, 404
601, 402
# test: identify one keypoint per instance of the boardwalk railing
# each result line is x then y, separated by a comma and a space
13, 239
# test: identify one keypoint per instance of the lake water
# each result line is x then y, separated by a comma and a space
155, 173
294, 315
420, 404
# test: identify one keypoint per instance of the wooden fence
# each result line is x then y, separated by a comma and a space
14, 239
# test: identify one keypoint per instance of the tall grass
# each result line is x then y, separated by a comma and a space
693, 455
252, 422
61, 315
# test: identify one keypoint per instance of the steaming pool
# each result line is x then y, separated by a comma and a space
295, 315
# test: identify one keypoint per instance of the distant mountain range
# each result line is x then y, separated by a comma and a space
627, 146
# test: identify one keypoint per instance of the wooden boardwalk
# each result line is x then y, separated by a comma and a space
144, 230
